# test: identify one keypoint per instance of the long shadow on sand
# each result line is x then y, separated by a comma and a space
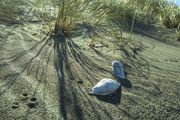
135, 62
66, 53
35, 65
11, 77
69, 99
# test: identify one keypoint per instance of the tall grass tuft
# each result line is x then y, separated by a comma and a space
147, 11
68, 14
73, 12
169, 16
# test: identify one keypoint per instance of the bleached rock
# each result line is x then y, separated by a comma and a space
105, 87
118, 70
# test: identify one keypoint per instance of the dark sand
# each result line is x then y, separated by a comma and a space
41, 82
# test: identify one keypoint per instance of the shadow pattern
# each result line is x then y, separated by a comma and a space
70, 64
136, 64
37, 59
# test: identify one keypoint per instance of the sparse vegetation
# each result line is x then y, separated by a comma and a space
147, 11
64, 47
67, 14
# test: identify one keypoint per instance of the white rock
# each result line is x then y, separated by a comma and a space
98, 45
105, 87
117, 70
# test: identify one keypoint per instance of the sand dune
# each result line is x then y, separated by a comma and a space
40, 81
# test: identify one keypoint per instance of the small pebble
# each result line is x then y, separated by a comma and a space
32, 103
80, 81
33, 99
25, 94
15, 103
98, 45
14, 106
24, 97
34, 34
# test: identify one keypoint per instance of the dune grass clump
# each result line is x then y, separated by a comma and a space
170, 16
126, 10
68, 14
65, 15
72, 12
145, 11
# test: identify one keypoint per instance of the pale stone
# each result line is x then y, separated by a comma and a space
105, 87
118, 70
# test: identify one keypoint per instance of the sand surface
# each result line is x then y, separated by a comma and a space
43, 81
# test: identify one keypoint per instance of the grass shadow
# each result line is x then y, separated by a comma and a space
67, 56
35, 65
10, 78
65, 74
137, 62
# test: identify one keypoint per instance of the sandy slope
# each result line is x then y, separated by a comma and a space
33, 69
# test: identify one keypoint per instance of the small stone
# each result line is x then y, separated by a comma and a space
178, 109
105, 86
15, 106
144, 74
118, 70
32, 104
25, 94
15, 103
80, 81
34, 34
33, 99
98, 45
24, 97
